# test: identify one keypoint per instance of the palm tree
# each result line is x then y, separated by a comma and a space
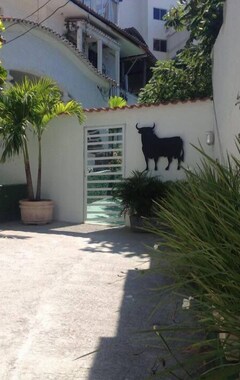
3, 73
116, 102
48, 106
30, 106
15, 105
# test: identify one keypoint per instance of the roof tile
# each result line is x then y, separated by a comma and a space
138, 106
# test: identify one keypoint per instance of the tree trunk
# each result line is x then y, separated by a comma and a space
39, 177
28, 172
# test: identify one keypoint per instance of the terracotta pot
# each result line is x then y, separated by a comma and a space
36, 212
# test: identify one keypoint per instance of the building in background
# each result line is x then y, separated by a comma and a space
147, 17
78, 44
106, 8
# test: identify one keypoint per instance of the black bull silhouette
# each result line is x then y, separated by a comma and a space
154, 147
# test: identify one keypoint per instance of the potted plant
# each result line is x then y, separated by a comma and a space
137, 195
24, 107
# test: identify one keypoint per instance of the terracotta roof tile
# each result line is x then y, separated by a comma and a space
138, 106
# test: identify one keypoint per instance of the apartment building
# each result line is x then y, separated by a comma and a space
147, 17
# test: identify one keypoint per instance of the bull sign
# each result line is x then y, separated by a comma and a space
154, 147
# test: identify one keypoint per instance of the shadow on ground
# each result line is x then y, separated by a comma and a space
131, 354
115, 240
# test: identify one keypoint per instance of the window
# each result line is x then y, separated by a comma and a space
158, 13
160, 45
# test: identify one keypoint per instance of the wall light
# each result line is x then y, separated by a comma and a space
210, 138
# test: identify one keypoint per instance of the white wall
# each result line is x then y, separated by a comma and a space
19, 9
128, 17
42, 54
176, 41
226, 80
156, 28
62, 168
22, 9
149, 28
63, 150
188, 120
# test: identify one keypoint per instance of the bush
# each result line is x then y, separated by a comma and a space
202, 248
138, 193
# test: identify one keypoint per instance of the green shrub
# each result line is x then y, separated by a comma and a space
202, 249
138, 193
116, 102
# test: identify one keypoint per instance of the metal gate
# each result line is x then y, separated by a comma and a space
104, 168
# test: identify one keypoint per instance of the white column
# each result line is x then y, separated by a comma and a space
86, 50
117, 66
99, 55
79, 37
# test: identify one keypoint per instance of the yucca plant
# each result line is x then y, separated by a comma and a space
202, 251
26, 107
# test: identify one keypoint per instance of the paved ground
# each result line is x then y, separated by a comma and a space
72, 299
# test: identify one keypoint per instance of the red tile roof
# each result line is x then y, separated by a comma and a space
138, 106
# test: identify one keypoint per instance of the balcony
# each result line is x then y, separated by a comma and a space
100, 49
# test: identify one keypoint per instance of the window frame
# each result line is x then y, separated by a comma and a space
159, 13
160, 45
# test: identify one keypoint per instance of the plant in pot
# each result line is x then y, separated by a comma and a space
29, 107
137, 195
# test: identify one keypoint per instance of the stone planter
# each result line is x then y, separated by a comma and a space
36, 212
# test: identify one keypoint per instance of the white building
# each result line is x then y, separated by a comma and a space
66, 169
147, 16
79, 46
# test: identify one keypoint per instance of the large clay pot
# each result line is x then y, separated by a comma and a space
36, 212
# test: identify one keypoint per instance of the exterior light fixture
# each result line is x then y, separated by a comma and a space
210, 138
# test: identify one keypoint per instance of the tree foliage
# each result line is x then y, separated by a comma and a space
202, 18
189, 75
29, 107
200, 248
116, 102
3, 73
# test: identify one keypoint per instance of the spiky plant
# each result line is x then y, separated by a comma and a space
202, 251
138, 192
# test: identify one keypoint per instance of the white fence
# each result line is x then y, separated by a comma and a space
63, 149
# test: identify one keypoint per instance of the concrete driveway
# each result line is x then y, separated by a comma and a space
72, 300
